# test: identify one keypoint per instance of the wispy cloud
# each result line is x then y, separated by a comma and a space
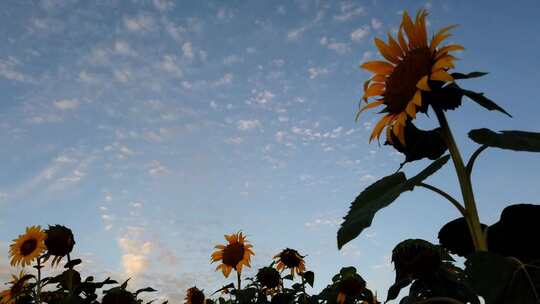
297, 33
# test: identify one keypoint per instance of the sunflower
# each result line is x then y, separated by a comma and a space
270, 279
290, 258
350, 287
236, 254
413, 66
18, 284
27, 246
59, 242
194, 296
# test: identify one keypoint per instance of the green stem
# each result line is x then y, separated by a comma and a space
239, 280
471, 216
445, 195
38, 283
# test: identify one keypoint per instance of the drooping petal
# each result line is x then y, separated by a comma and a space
379, 126
422, 84
411, 110
408, 25
443, 63
378, 67
440, 36
379, 78
394, 47
375, 89
417, 98
449, 48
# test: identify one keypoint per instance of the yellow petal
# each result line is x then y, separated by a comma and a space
449, 48
402, 42
442, 75
379, 126
401, 134
394, 46
370, 106
420, 27
379, 78
226, 271
443, 63
422, 84
375, 89
378, 67
385, 50
417, 98
409, 29
411, 110
440, 36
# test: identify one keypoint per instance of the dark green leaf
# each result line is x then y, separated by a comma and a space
510, 140
309, 276
502, 280
288, 277
347, 271
394, 290
72, 263
377, 196
485, 102
468, 75
147, 289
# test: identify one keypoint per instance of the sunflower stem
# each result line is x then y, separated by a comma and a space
239, 280
445, 195
38, 283
471, 213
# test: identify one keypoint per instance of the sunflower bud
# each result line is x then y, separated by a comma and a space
59, 241
351, 287
194, 296
415, 258
269, 277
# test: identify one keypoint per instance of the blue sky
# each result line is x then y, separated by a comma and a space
152, 128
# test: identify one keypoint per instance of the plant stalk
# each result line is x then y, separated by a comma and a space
471, 213
239, 280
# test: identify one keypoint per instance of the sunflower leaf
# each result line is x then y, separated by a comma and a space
510, 140
468, 75
309, 276
483, 101
377, 196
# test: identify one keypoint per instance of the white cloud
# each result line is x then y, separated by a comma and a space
226, 79
280, 136
348, 11
66, 104
234, 140
360, 33
135, 252
140, 23
246, 125
87, 78
187, 49
122, 75
376, 23
8, 71
232, 59
339, 47
295, 34
169, 64
163, 5
123, 48
314, 72
157, 169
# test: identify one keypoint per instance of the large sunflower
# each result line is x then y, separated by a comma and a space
18, 284
27, 246
291, 259
413, 65
236, 254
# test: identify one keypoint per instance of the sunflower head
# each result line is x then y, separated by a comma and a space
416, 258
119, 296
27, 246
413, 66
194, 296
16, 292
59, 241
291, 259
269, 278
233, 255
350, 287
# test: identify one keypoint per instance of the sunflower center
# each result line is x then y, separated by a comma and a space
401, 85
28, 247
233, 254
352, 287
290, 259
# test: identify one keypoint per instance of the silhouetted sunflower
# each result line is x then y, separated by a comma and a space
236, 254
291, 259
194, 296
119, 296
27, 246
412, 66
18, 284
59, 242
350, 287
269, 278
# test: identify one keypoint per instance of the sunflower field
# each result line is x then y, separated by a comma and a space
501, 260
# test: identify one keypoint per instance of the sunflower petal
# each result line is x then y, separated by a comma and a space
449, 48
375, 89
386, 51
420, 27
379, 78
444, 62
394, 46
422, 84
408, 25
369, 106
411, 110
442, 75
402, 42
378, 67
440, 36
380, 126
417, 98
